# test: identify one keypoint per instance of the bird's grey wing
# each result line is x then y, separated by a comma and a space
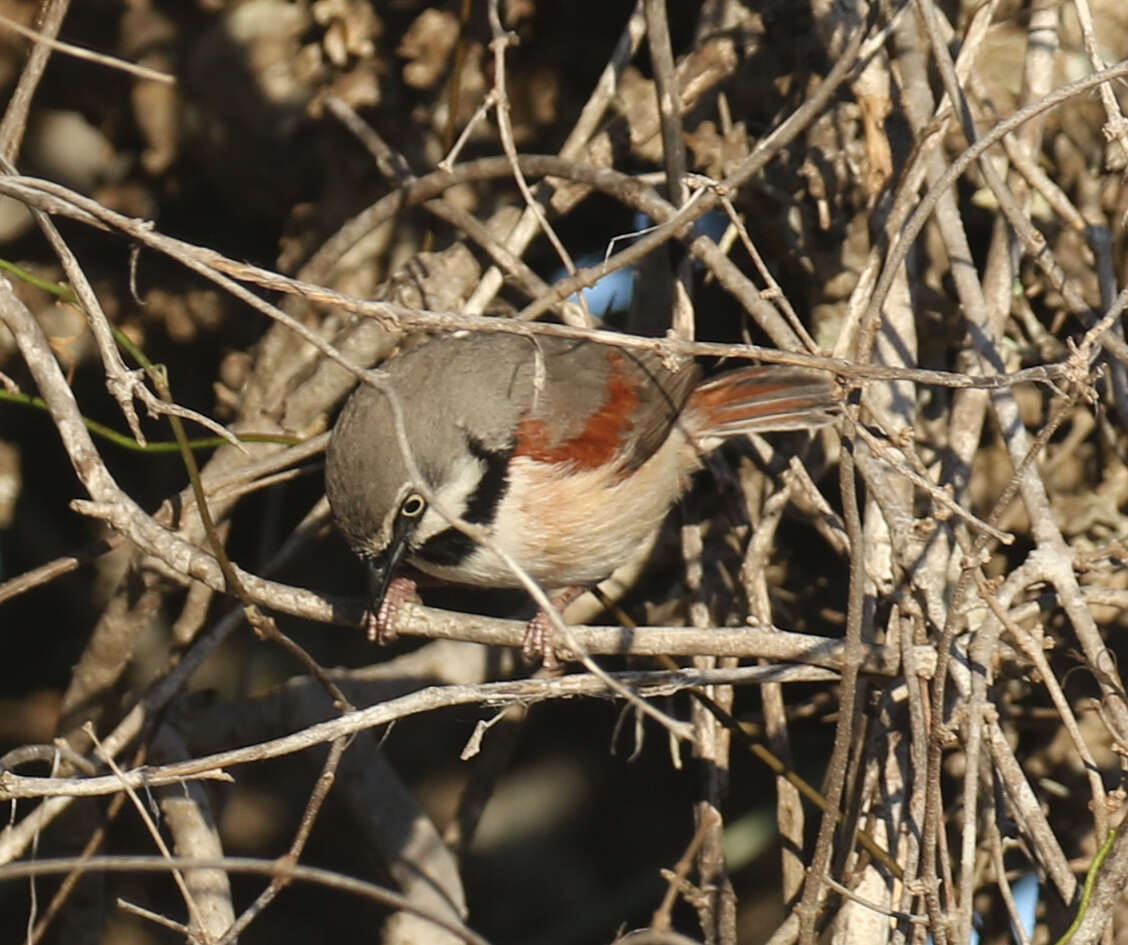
600, 405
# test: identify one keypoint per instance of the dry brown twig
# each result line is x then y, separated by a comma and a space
922, 549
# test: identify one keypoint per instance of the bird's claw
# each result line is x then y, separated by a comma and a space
380, 627
540, 635
539, 644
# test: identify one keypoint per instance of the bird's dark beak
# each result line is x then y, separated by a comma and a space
382, 569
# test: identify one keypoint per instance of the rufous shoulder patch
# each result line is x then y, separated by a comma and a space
601, 438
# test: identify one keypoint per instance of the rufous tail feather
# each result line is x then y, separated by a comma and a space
764, 399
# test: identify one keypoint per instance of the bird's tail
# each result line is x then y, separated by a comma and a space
763, 400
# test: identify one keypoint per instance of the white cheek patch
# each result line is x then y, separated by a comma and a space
453, 495
429, 526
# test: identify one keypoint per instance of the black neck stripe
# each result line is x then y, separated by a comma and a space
450, 547
481, 506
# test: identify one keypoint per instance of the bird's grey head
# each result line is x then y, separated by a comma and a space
460, 450
366, 478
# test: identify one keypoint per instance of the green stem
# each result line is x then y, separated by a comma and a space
66, 294
1090, 883
158, 375
168, 446
63, 292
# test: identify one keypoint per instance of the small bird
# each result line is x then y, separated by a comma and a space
567, 452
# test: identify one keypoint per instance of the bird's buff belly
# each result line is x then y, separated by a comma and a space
572, 527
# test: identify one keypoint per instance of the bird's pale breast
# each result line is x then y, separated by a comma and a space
568, 526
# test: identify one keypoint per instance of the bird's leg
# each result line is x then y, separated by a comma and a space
381, 626
540, 631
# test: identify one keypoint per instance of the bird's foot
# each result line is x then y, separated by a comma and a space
539, 639
381, 626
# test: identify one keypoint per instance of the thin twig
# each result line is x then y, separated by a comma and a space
87, 55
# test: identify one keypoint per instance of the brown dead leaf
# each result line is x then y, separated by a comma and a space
429, 45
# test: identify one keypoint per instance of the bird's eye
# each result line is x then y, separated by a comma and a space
413, 505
